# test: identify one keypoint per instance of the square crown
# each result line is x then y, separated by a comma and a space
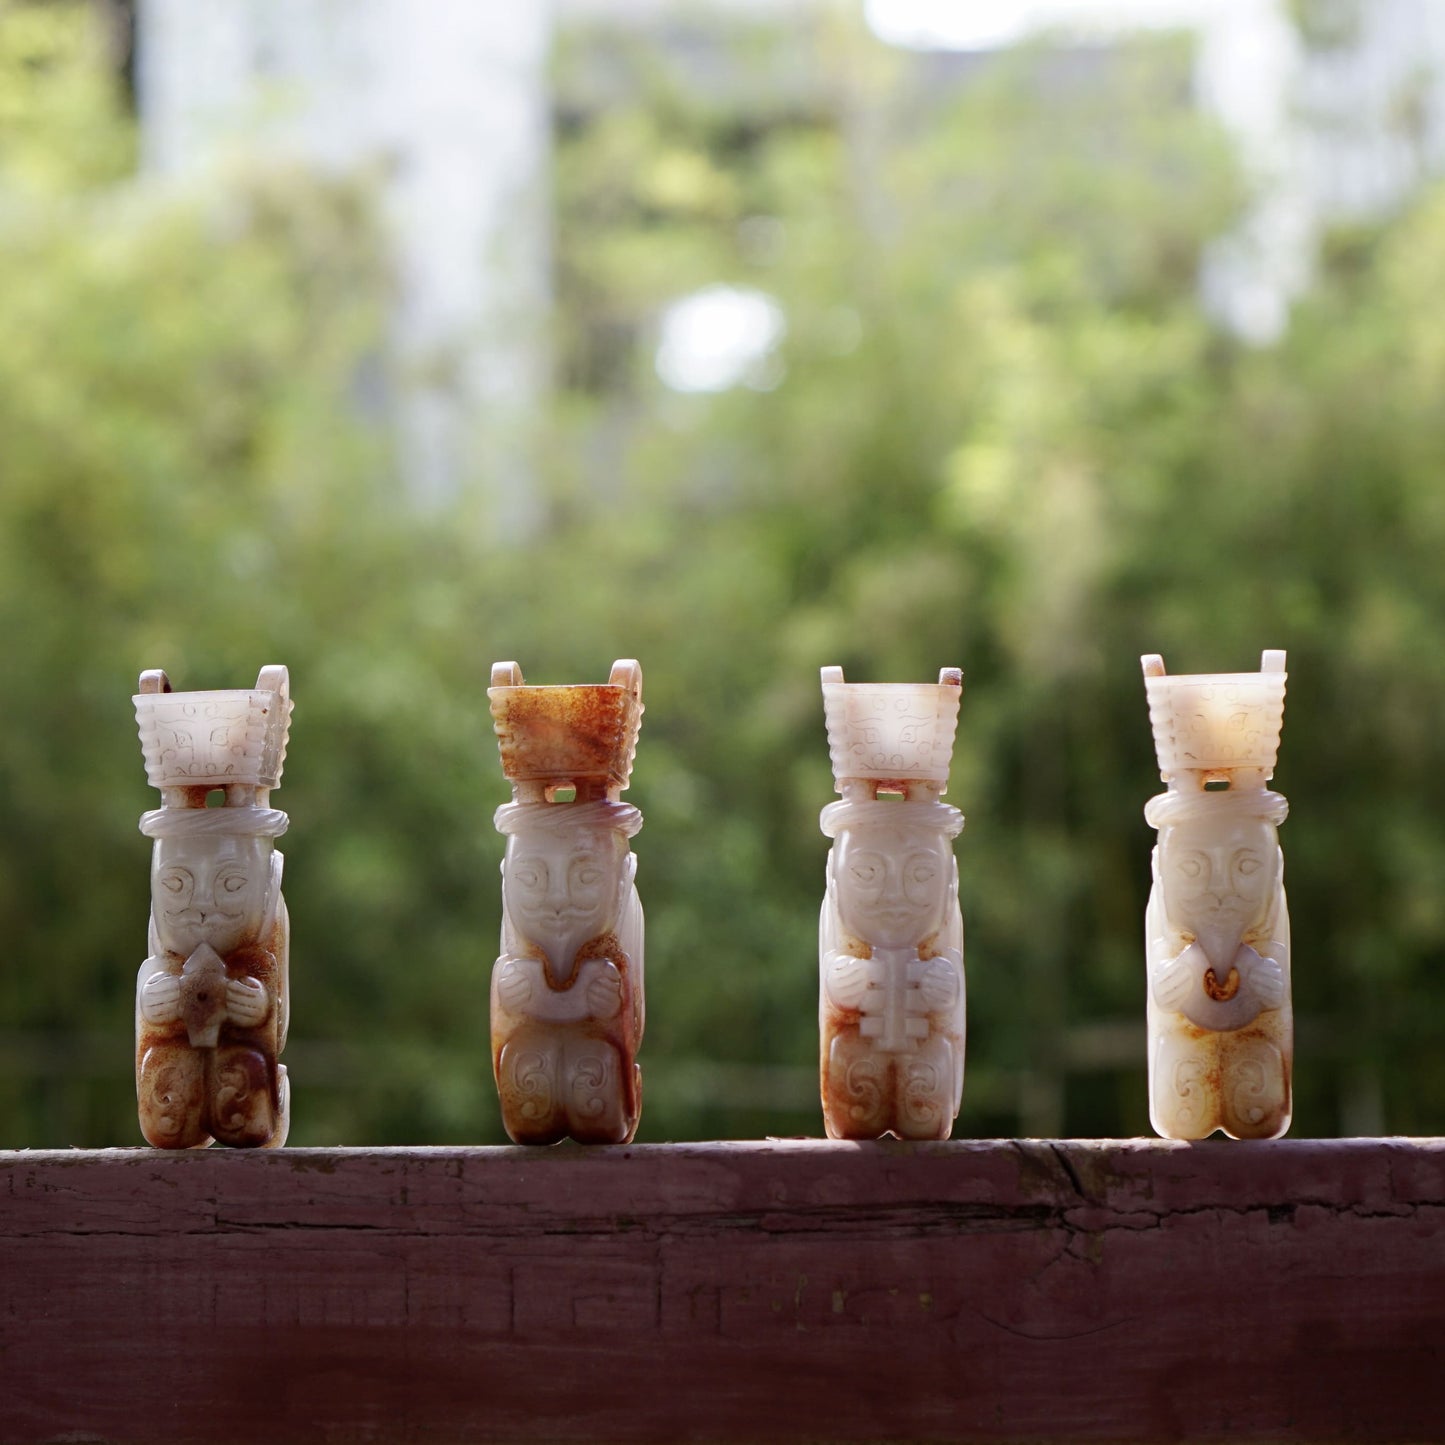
1216, 722
579, 733
891, 731
214, 739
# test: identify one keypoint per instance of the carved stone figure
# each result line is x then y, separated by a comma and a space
1221, 1028
567, 1002
211, 999
891, 991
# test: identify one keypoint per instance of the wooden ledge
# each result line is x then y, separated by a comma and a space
790, 1290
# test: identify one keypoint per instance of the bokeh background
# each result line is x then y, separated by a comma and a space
387, 341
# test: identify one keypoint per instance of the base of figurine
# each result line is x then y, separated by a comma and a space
554, 1087
189, 1098
1233, 1083
868, 1093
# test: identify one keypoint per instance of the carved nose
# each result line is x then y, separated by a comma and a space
1220, 880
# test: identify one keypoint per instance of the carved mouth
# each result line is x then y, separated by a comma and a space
1230, 903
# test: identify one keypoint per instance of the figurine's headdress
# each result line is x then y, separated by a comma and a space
881, 813
1215, 723
583, 737
1172, 807
217, 822
513, 819
197, 742
885, 733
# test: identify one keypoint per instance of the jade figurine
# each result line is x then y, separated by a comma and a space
566, 995
1220, 1022
211, 997
891, 987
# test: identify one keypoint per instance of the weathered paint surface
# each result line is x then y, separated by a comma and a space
788, 1290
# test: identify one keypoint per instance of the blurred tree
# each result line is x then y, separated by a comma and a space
998, 431
991, 325
190, 480
1007, 436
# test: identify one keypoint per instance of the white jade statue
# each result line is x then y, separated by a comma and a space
1221, 1029
567, 989
891, 992
211, 1000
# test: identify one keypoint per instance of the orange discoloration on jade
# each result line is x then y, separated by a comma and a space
567, 1006
566, 734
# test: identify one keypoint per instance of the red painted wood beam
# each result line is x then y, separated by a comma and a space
791, 1290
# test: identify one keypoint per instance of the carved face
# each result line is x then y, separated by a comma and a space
209, 889
1218, 877
892, 883
561, 887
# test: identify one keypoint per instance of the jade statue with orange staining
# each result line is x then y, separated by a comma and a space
891, 988
566, 999
211, 997
1221, 1027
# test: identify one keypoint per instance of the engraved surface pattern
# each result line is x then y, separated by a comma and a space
898, 731
213, 737
1228, 720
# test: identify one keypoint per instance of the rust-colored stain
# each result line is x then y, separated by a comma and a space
866, 1093
187, 1096
534, 1108
581, 733
1221, 992
847, 1115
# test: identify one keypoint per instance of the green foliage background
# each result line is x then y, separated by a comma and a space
1001, 434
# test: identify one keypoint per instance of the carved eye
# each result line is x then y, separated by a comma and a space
172, 883
866, 873
233, 882
923, 873
1248, 865
529, 877
1190, 868
587, 877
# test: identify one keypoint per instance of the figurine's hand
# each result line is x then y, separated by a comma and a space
1177, 979
246, 1002
160, 998
1265, 975
845, 979
604, 993
939, 984
514, 988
